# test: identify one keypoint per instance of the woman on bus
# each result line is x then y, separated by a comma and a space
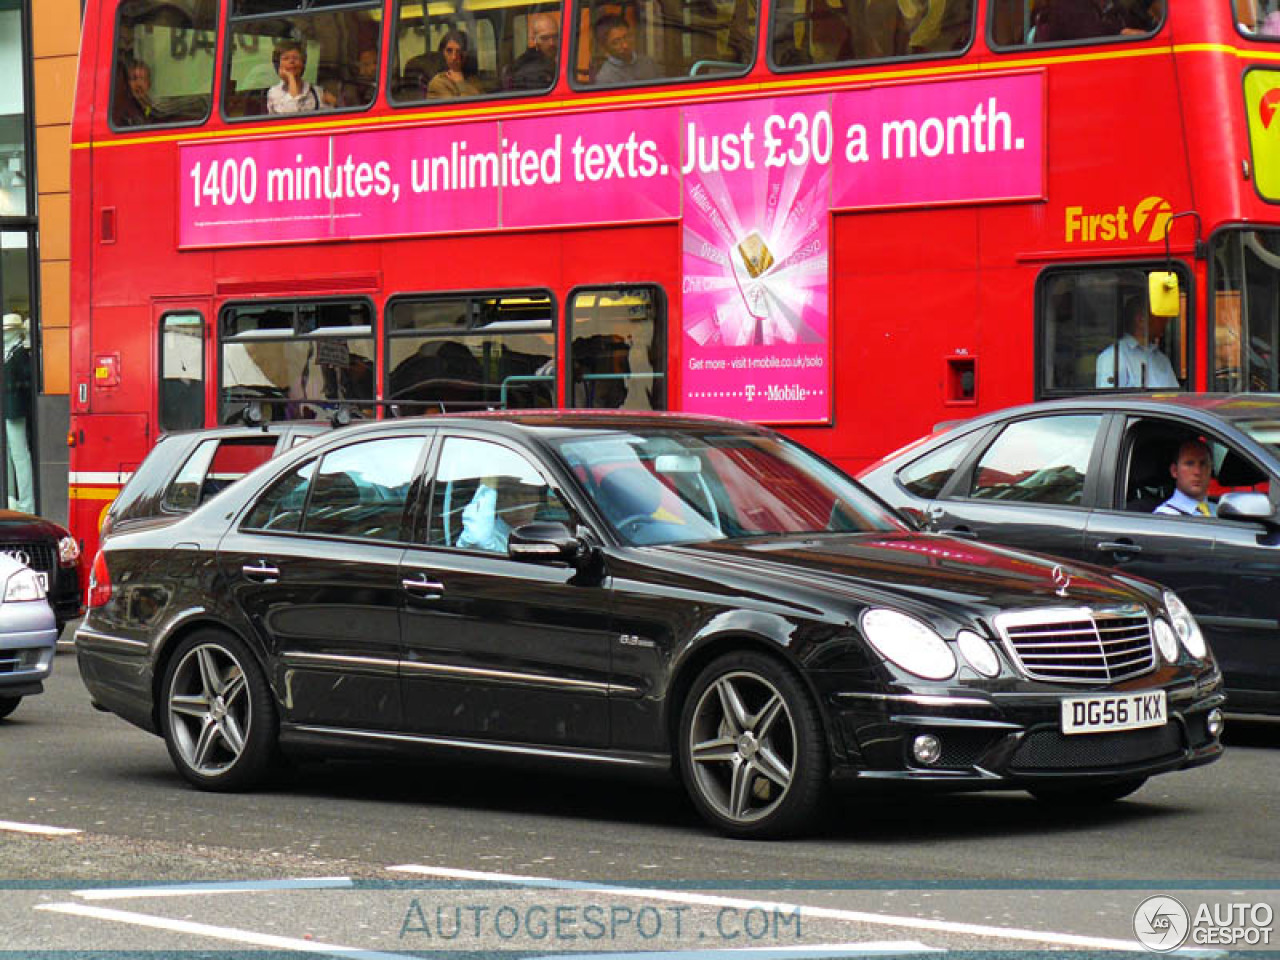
457, 79
293, 94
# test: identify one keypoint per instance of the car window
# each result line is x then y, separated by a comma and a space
1151, 445
1038, 461
927, 476
482, 492
213, 466
280, 507
361, 490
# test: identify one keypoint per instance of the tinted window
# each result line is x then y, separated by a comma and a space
1037, 461
1097, 333
628, 45
280, 508
1245, 273
482, 492
361, 490
286, 62
164, 62
474, 48
826, 32
181, 400
617, 349
927, 476
1017, 23
472, 352
213, 466
1258, 18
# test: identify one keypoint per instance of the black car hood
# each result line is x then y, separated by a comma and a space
937, 571
23, 526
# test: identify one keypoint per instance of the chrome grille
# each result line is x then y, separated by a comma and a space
1079, 645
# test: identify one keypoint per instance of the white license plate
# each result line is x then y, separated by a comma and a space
1128, 711
43, 578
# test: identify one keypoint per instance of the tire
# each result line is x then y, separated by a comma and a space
1086, 794
753, 754
218, 715
8, 705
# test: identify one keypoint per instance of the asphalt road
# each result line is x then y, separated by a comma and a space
518, 859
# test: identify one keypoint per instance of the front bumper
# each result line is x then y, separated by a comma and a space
28, 639
994, 740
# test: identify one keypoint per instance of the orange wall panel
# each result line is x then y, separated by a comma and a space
55, 293
55, 226
55, 361
55, 28
55, 89
53, 156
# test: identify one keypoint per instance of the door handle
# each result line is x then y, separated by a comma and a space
423, 586
262, 573
964, 533
1119, 546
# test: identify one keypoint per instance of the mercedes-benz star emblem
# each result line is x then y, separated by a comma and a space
1061, 580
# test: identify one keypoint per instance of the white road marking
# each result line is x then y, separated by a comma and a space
13, 827
821, 913
231, 934
196, 889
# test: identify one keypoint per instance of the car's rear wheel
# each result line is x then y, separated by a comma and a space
752, 750
1086, 794
8, 705
219, 718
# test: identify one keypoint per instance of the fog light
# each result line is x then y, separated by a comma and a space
927, 749
1213, 723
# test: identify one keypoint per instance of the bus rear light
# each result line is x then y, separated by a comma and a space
99, 582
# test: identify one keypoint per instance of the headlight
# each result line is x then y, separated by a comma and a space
909, 643
1166, 641
978, 652
23, 585
68, 551
1185, 626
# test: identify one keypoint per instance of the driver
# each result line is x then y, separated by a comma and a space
1192, 469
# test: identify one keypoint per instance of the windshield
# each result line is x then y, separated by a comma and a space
1246, 311
676, 486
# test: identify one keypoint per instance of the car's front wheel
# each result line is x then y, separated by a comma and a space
1086, 794
8, 705
219, 719
753, 753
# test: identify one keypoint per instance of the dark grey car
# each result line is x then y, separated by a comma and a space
1080, 479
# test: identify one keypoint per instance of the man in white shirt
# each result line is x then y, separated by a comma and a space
1136, 360
1192, 471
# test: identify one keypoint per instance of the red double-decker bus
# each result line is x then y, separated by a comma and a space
849, 218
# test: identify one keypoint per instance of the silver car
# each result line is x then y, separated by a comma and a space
28, 634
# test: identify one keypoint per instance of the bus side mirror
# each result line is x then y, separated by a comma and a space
1163, 295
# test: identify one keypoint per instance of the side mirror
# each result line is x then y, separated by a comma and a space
546, 542
1246, 506
1162, 294
915, 518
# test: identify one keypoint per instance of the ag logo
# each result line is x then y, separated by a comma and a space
1154, 212
1161, 923
1267, 106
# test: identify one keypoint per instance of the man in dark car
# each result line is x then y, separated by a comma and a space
1192, 469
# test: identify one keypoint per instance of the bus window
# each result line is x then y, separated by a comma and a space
298, 361
825, 32
1258, 18
1016, 23
471, 352
617, 349
474, 48
624, 43
1096, 332
1245, 274
163, 70
181, 400
286, 61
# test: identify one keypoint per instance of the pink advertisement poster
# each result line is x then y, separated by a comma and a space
757, 186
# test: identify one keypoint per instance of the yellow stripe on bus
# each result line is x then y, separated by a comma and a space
93, 493
658, 97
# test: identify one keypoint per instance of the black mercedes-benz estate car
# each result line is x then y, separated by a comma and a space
1081, 478
662, 592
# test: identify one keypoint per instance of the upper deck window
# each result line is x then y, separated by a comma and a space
822, 33
1259, 19
1017, 23
474, 48
163, 71
623, 43
285, 60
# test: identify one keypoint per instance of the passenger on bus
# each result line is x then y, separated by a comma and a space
1136, 359
535, 69
1192, 471
364, 84
139, 109
293, 94
1060, 20
622, 62
457, 79
830, 40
